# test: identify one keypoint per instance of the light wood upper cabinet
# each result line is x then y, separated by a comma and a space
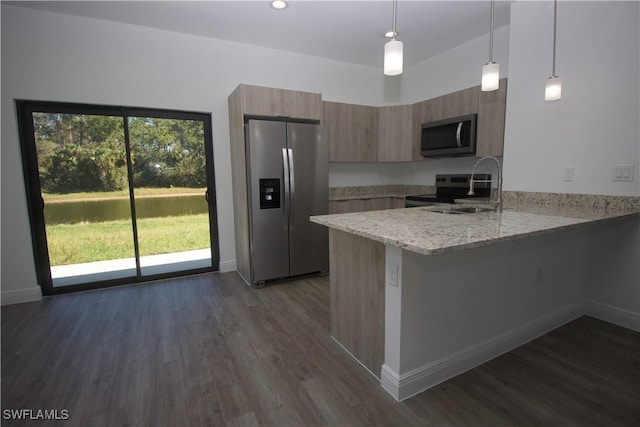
353, 132
395, 136
492, 107
271, 102
361, 133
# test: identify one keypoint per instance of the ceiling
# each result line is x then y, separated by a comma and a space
350, 31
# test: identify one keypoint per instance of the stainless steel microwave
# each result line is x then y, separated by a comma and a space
450, 137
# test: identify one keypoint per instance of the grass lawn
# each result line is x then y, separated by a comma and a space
101, 241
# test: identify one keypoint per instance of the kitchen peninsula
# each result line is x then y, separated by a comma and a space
419, 296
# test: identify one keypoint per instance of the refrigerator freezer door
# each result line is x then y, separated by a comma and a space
308, 242
269, 238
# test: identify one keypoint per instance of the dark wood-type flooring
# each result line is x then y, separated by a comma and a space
207, 350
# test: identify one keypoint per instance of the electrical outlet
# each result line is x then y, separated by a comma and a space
623, 173
569, 174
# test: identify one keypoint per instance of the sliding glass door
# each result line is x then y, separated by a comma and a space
170, 193
117, 195
82, 169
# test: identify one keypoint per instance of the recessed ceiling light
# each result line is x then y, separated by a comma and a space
278, 4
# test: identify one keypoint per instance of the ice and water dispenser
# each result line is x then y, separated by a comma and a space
269, 193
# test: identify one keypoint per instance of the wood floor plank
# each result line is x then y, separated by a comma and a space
209, 351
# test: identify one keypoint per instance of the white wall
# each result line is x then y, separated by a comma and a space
54, 57
613, 272
456, 69
409, 173
451, 312
595, 124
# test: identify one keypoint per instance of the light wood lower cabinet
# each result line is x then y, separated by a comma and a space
362, 205
357, 297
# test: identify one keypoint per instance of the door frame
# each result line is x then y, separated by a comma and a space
35, 202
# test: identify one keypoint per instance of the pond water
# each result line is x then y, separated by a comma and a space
119, 209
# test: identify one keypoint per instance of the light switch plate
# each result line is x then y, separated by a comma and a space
623, 173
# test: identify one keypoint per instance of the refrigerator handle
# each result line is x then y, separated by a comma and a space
287, 204
292, 188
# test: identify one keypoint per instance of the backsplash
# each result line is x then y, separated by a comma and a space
374, 191
587, 201
511, 199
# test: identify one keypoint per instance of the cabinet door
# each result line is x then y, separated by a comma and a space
353, 132
346, 206
397, 203
266, 101
492, 107
395, 133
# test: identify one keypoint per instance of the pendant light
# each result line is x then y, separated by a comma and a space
490, 70
393, 50
553, 88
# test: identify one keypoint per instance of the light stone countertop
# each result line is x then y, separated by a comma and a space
430, 233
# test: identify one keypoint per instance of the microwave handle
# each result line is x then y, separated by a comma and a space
458, 134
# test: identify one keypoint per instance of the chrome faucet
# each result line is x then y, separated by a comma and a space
498, 194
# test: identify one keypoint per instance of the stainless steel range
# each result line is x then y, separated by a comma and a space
450, 187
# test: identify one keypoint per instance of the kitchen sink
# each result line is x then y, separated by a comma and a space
459, 210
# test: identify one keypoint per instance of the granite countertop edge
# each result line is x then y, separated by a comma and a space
436, 233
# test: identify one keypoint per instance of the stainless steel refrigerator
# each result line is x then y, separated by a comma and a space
287, 179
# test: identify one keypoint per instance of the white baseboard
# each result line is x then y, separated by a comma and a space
22, 295
227, 266
403, 386
618, 316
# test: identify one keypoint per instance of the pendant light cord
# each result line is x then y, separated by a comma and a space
491, 36
393, 26
555, 20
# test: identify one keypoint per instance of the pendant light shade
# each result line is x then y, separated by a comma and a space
553, 88
491, 70
490, 76
393, 50
393, 58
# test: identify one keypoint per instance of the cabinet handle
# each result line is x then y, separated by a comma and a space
458, 134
